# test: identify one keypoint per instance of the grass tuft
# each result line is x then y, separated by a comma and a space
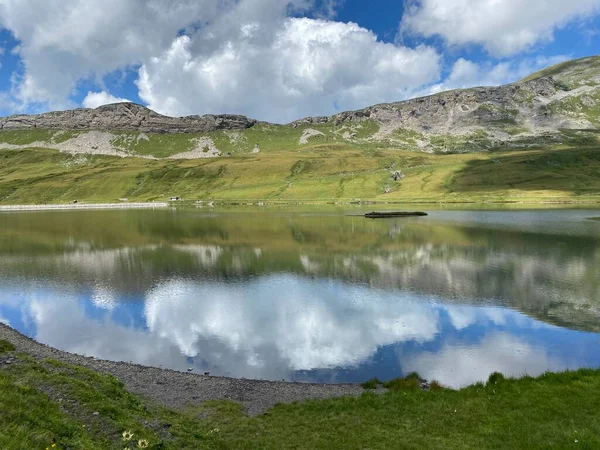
436, 386
6, 346
496, 378
403, 384
373, 383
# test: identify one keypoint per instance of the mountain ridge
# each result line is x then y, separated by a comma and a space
551, 107
124, 116
456, 110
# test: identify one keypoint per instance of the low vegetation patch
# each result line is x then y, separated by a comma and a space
6, 346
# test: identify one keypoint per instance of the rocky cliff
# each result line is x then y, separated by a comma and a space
565, 96
125, 117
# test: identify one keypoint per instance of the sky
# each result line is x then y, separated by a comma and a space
275, 60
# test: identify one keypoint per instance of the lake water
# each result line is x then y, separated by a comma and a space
310, 295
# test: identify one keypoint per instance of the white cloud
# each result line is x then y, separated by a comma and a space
251, 57
95, 99
503, 27
301, 67
63, 41
104, 298
264, 329
280, 320
461, 365
275, 325
243, 56
462, 317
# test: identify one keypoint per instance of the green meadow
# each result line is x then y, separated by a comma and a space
327, 172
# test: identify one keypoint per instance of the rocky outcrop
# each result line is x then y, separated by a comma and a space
125, 117
537, 105
457, 111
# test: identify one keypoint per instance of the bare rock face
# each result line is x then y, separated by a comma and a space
455, 110
537, 105
125, 117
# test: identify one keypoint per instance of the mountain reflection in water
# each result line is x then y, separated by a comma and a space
310, 297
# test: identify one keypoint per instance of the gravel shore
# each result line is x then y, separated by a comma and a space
178, 390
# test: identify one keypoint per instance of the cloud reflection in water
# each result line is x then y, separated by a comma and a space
292, 327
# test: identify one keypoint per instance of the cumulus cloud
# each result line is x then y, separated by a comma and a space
265, 329
461, 365
462, 317
63, 41
283, 321
503, 27
95, 99
304, 66
276, 325
260, 57
212, 56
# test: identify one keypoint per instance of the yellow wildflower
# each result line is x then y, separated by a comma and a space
142, 443
127, 435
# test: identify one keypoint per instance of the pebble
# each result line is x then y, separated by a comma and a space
95, 413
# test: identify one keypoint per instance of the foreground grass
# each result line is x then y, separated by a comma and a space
45, 403
321, 173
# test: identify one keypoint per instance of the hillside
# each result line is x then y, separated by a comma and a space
453, 146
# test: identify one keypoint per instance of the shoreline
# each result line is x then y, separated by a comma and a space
276, 203
178, 390
84, 206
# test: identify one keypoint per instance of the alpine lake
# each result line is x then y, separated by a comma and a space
312, 294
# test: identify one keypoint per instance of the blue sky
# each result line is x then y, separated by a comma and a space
276, 60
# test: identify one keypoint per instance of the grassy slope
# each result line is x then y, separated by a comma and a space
553, 411
325, 172
571, 74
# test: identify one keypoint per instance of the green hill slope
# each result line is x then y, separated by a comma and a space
321, 173
534, 140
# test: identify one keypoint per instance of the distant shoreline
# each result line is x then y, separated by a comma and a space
72, 206
279, 203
